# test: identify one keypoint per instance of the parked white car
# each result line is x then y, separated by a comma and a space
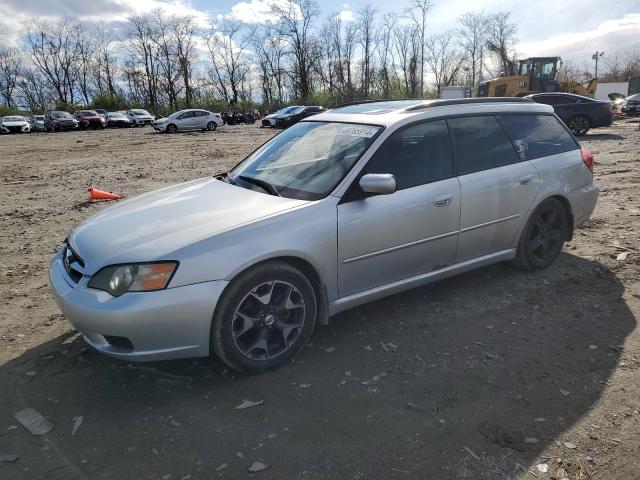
139, 117
14, 124
191, 119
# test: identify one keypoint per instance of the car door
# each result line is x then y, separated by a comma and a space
184, 121
200, 119
498, 185
386, 238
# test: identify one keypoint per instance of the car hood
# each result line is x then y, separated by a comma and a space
19, 123
163, 119
68, 120
155, 225
90, 117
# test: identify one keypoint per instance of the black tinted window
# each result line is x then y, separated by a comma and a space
480, 144
554, 99
415, 155
537, 135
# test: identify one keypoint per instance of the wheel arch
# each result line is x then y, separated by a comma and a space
308, 270
567, 206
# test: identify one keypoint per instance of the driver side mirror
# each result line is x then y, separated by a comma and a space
378, 183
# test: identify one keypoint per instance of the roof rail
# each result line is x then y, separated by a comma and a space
464, 101
360, 102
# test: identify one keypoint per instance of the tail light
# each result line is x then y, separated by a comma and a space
587, 158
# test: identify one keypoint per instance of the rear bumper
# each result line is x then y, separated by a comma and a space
160, 325
583, 202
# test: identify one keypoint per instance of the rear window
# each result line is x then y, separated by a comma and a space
480, 144
537, 136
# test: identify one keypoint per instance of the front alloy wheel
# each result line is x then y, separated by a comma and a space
211, 126
264, 318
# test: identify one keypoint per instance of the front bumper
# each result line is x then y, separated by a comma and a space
160, 325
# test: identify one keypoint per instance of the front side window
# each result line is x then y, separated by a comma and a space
307, 160
415, 155
537, 136
480, 144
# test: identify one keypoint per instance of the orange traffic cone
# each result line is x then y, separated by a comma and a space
95, 194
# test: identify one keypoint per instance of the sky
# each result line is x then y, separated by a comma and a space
572, 30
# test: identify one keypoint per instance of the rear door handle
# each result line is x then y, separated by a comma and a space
525, 180
443, 200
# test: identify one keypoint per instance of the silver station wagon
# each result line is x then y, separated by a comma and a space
348, 206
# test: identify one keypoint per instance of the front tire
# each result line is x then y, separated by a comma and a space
211, 126
264, 318
172, 128
579, 125
544, 236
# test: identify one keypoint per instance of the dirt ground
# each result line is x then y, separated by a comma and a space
495, 374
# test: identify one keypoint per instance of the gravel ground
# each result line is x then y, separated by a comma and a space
484, 376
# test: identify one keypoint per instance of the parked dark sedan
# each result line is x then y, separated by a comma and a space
56, 120
89, 119
117, 119
577, 112
631, 105
290, 118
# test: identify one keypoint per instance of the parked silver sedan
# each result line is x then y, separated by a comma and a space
345, 207
191, 119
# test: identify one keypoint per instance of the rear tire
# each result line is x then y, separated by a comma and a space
544, 236
264, 318
579, 125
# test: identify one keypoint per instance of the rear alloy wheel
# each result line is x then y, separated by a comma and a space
544, 236
172, 128
211, 126
579, 125
264, 318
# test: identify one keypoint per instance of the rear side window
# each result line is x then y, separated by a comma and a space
537, 136
415, 155
481, 144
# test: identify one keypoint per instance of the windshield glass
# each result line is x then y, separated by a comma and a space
174, 115
14, 118
287, 110
140, 112
634, 97
116, 115
39, 117
61, 115
307, 160
87, 113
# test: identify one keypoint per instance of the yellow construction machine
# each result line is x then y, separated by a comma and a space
535, 75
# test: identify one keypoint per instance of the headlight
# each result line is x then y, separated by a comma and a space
136, 277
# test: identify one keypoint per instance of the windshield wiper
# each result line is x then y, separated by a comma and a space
268, 187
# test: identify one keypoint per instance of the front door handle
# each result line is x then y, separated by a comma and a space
443, 200
525, 180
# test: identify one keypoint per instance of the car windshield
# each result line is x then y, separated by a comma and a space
14, 118
39, 117
140, 113
116, 115
634, 97
174, 115
307, 160
87, 113
287, 110
61, 115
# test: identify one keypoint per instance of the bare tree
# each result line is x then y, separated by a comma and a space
184, 34
294, 24
144, 56
622, 64
473, 32
444, 59
366, 38
418, 11
11, 67
228, 54
502, 37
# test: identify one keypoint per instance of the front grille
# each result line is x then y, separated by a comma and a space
14, 129
73, 264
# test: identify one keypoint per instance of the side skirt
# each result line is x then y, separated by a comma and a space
418, 280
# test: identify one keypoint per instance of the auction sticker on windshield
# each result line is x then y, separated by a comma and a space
359, 131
